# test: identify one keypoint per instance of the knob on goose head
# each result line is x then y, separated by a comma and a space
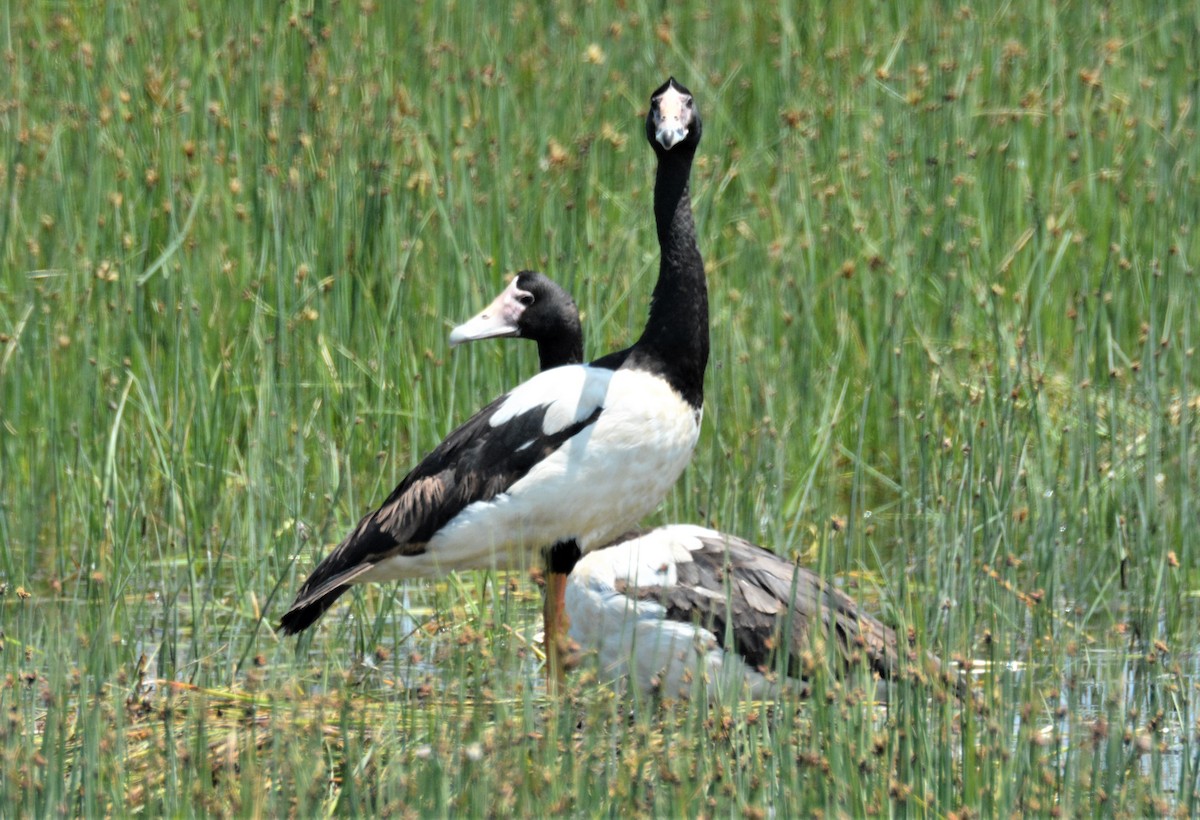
673, 119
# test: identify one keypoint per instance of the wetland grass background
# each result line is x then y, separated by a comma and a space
951, 256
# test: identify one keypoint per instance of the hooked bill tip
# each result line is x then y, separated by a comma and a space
668, 138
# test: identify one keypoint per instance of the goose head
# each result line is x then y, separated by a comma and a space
673, 119
534, 307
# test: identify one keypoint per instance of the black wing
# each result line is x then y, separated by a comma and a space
756, 592
475, 462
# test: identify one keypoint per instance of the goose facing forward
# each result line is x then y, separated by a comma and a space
661, 606
570, 458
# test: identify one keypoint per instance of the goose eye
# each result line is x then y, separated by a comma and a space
525, 299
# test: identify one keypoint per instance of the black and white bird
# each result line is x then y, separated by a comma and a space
680, 606
684, 609
574, 456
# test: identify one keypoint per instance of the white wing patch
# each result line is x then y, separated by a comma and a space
570, 394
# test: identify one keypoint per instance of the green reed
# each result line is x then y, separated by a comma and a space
951, 256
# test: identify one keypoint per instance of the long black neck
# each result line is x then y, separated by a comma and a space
566, 347
675, 342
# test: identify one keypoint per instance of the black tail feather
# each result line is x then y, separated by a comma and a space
322, 588
305, 612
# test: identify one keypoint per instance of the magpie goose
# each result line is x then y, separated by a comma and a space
570, 458
665, 606
683, 609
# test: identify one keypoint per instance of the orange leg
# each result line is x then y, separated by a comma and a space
555, 621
